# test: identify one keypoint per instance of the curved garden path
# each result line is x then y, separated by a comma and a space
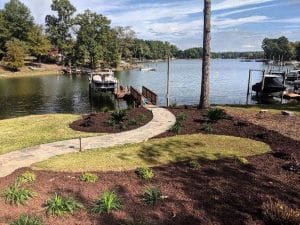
161, 122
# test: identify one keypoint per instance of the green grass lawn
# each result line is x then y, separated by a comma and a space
22, 132
156, 152
272, 108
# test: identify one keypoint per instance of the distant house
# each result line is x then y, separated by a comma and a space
54, 54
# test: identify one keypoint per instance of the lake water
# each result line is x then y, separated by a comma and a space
69, 94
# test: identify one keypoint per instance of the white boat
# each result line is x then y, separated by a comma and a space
147, 69
103, 81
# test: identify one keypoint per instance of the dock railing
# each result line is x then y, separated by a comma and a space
150, 95
137, 96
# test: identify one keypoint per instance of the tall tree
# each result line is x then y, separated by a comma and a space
93, 36
38, 42
15, 55
17, 19
59, 26
126, 37
204, 98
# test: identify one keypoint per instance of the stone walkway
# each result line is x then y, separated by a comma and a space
161, 122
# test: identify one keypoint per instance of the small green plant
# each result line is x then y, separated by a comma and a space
145, 173
207, 127
215, 114
15, 194
27, 177
132, 122
173, 104
27, 220
151, 196
59, 205
194, 164
141, 118
276, 213
107, 202
89, 177
118, 117
180, 118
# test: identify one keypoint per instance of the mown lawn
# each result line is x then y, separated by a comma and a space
156, 152
22, 132
271, 108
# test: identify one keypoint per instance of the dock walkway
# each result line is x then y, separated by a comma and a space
161, 122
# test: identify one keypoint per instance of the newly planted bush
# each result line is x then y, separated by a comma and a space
59, 205
15, 194
141, 118
215, 114
145, 173
27, 220
207, 127
194, 164
132, 122
151, 196
89, 177
107, 202
179, 123
275, 213
27, 177
118, 117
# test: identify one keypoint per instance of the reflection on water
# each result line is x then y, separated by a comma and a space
70, 94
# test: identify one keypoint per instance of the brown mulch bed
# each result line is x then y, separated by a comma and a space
98, 122
220, 192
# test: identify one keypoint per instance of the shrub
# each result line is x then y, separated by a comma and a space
118, 117
215, 114
151, 196
59, 206
27, 220
275, 213
194, 164
107, 202
27, 177
15, 194
132, 122
178, 124
207, 127
145, 173
89, 177
141, 118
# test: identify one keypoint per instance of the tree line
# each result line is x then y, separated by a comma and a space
281, 49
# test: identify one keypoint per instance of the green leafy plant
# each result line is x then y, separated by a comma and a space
27, 177
119, 116
59, 205
145, 173
132, 122
89, 177
15, 194
173, 104
207, 127
276, 213
215, 114
180, 118
141, 118
107, 202
27, 220
151, 196
194, 164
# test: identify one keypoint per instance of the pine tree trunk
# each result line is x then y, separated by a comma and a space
204, 99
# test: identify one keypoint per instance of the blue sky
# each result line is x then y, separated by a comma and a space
238, 25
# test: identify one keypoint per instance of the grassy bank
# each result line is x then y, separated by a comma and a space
271, 108
28, 73
29, 131
156, 152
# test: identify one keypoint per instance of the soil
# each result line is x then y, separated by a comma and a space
223, 192
99, 122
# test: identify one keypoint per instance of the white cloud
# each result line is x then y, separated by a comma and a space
229, 4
